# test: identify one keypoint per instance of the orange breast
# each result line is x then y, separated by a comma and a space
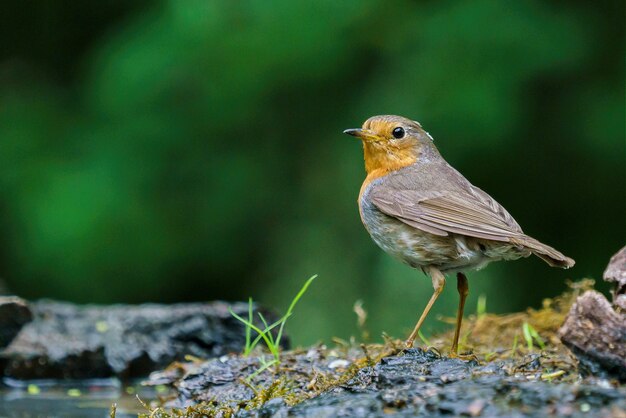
368, 180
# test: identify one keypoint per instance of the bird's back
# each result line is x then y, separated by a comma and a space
429, 214
437, 177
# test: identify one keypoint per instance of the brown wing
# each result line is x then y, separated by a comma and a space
436, 198
472, 213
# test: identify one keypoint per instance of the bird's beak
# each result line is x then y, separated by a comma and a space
364, 134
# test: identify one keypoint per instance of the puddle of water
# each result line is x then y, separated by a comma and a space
69, 399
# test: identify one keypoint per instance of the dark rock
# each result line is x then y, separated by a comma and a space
596, 334
70, 341
414, 383
14, 314
216, 378
223, 378
616, 273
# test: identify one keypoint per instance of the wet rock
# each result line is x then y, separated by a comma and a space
417, 384
232, 379
69, 341
596, 334
14, 314
412, 383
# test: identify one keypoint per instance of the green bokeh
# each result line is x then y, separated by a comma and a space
192, 150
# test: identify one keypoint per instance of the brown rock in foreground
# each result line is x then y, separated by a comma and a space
616, 273
596, 334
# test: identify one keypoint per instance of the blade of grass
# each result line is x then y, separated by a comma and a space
527, 336
481, 306
264, 367
263, 334
293, 304
550, 376
514, 348
271, 327
269, 334
536, 337
424, 339
248, 348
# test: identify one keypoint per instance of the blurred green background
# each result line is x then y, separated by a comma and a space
192, 150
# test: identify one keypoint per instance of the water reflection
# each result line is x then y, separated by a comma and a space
84, 398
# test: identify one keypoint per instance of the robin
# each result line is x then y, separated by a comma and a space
419, 209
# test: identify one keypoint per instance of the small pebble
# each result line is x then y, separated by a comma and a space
339, 363
475, 408
313, 354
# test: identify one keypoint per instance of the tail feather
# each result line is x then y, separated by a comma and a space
545, 252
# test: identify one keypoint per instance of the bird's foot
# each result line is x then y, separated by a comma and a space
426, 348
464, 356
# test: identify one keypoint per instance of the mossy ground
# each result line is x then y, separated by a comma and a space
491, 337
521, 343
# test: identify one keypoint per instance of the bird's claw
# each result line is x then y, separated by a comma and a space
465, 357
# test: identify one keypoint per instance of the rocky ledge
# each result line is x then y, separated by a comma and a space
516, 365
56, 340
385, 382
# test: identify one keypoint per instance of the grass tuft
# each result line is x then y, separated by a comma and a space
532, 336
265, 334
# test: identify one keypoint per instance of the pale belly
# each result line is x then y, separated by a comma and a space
419, 249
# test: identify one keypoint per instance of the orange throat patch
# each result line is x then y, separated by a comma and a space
382, 160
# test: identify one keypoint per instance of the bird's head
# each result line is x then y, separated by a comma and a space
392, 142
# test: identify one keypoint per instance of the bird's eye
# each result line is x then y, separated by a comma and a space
398, 132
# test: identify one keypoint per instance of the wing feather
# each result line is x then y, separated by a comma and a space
437, 199
473, 214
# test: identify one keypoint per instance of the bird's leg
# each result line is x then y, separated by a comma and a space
439, 281
463, 288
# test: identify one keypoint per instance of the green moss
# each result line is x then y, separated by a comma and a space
486, 337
